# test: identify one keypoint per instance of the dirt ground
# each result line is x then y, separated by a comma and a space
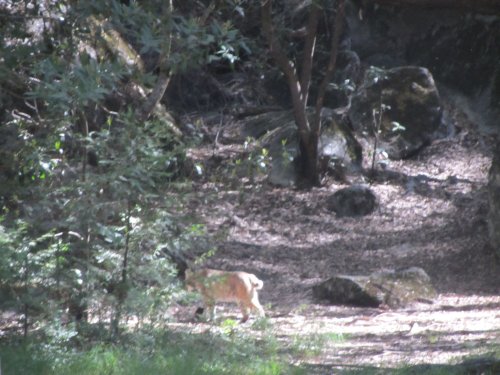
431, 214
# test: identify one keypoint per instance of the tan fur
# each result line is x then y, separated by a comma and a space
224, 286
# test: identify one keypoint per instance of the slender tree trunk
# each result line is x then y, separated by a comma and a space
78, 305
309, 131
332, 62
299, 87
26, 297
122, 288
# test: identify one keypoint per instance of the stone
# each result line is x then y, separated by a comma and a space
394, 288
277, 132
412, 113
455, 45
355, 200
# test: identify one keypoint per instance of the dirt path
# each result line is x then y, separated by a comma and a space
431, 214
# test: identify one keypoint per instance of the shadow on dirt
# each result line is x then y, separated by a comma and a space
478, 366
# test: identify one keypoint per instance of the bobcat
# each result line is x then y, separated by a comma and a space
225, 286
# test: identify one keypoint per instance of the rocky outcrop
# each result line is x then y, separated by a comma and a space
395, 288
458, 46
410, 105
354, 201
277, 132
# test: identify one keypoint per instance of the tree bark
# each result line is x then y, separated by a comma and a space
299, 87
309, 131
288, 69
308, 54
308, 165
336, 33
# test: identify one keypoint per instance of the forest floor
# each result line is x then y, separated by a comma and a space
431, 214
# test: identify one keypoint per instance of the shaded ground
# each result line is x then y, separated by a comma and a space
432, 214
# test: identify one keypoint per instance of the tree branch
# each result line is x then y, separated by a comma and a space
309, 47
337, 31
287, 67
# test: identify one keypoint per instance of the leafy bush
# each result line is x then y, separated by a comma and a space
154, 352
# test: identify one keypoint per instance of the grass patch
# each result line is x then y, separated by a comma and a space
226, 352
18, 358
313, 344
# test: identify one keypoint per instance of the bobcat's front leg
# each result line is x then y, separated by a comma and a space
211, 309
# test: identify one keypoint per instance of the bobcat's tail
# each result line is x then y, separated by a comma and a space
257, 284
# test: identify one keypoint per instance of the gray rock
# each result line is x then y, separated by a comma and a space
413, 111
456, 46
395, 288
354, 200
277, 132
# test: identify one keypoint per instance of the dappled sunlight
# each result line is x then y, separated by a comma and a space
444, 332
430, 214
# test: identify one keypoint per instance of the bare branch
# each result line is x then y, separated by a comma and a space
337, 31
287, 67
277, 52
310, 43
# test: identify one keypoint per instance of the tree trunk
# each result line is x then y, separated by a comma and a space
298, 90
122, 287
308, 164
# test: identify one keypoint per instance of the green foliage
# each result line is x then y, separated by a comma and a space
196, 39
153, 352
86, 209
207, 43
88, 236
307, 345
66, 87
255, 162
262, 324
24, 358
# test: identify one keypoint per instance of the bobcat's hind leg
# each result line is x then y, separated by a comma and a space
244, 311
257, 306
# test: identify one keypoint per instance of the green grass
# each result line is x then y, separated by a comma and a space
313, 344
152, 353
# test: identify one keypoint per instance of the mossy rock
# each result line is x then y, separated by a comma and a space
394, 288
277, 132
412, 114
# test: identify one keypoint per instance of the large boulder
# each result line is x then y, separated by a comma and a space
277, 132
355, 200
283, 147
395, 288
494, 201
411, 108
460, 47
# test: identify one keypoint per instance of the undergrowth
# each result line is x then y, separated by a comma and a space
221, 352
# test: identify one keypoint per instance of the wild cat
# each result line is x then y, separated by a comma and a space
226, 286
